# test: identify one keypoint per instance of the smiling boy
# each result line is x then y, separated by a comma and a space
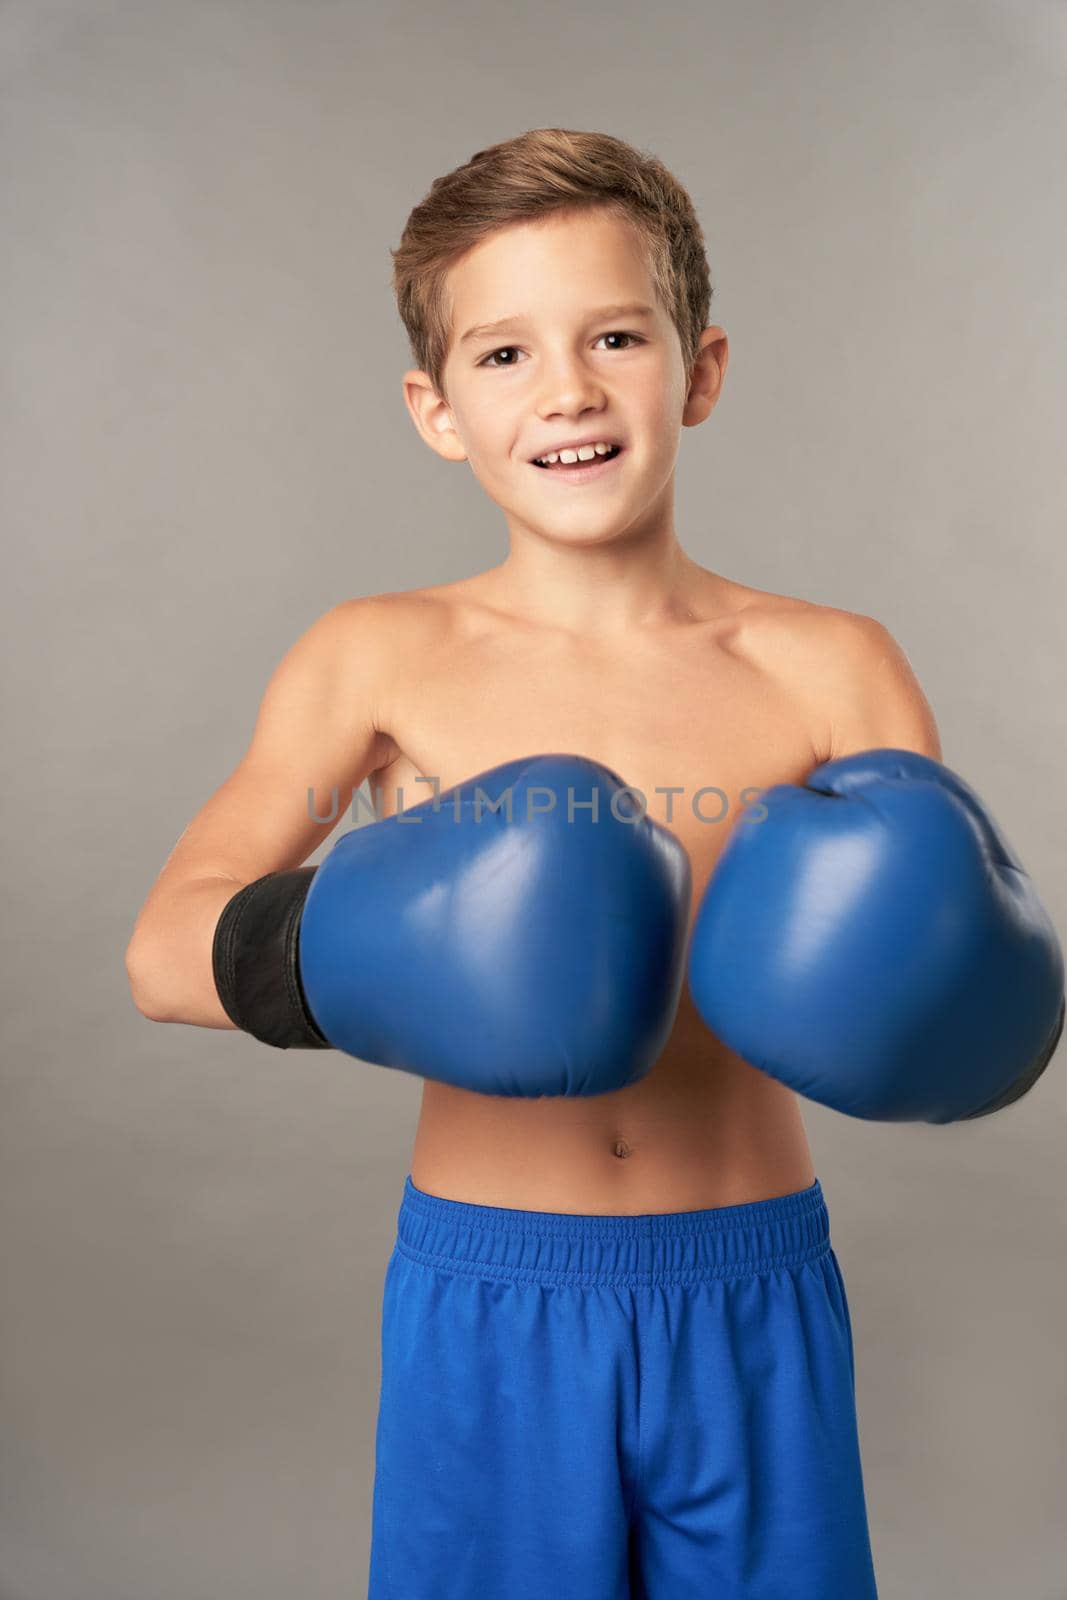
616, 1350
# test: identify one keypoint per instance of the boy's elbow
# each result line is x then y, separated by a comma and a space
142, 974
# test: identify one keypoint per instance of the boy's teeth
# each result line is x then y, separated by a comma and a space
567, 458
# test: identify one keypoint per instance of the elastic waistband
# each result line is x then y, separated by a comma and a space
657, 1248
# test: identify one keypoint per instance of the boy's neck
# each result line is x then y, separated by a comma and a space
603, 592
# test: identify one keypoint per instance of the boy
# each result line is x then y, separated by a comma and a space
616, 1350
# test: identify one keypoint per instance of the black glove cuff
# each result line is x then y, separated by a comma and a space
254, 961
1023, 1084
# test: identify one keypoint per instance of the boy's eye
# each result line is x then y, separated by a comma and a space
488, 360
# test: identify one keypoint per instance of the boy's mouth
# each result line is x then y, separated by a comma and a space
581, 471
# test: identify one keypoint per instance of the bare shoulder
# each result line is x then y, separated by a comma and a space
852, 677
388, 628
438, 614
805, 638
777, 632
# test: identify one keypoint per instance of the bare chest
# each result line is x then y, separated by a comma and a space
697, 724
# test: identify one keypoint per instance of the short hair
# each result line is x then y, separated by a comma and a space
539, 173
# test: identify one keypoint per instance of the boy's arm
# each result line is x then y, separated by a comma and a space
864, 693
319, 727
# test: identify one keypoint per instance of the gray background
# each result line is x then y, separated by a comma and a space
205, 446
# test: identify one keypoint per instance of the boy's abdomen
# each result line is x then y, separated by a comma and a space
702, 1129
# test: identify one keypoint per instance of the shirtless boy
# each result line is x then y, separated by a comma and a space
616, 1351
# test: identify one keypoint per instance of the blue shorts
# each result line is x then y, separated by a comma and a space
652, 1407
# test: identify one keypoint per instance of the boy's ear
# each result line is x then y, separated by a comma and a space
432, 416
709, 370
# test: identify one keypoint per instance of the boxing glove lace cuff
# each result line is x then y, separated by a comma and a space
254, 958
1025, 1082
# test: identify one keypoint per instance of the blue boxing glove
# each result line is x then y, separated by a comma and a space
520, 934
874, 943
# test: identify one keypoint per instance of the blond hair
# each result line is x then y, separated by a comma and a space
537, 174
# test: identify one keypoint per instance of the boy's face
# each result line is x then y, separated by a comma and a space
559, 371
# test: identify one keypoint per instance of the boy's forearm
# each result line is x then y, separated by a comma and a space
168, 960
